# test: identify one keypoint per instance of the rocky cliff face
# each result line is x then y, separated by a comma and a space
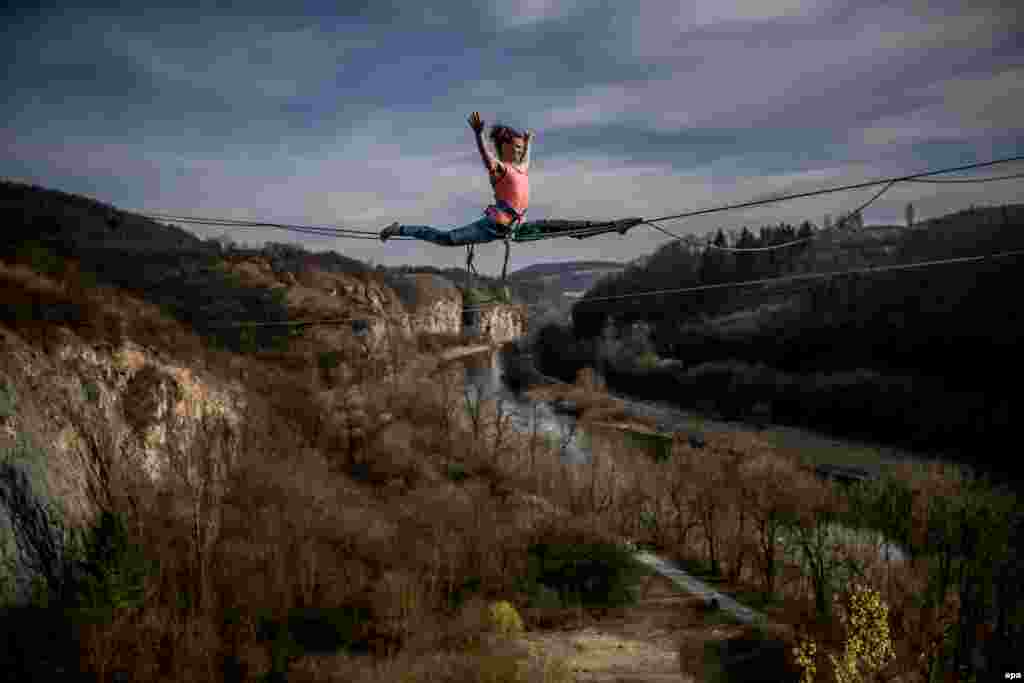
435, 304
75, 403
65, 409
426, 304
501, 324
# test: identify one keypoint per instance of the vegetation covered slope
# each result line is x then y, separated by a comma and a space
386, 553
926, 357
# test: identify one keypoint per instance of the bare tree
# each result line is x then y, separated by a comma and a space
710, 507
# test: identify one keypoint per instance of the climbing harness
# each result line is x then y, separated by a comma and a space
507, 233
518, 231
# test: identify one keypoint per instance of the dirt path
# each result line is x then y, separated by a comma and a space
635, 644
700, 589
660, 639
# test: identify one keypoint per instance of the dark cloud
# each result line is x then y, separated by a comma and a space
356, 113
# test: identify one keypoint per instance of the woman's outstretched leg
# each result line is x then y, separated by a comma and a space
477, 232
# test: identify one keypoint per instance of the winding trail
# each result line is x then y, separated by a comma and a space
659, 639
693, 586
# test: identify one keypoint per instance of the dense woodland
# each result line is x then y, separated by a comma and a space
928, 357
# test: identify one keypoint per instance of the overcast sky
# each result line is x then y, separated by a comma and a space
296, 113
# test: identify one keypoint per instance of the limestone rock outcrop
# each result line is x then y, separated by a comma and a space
423, 303
129, 404
501, 324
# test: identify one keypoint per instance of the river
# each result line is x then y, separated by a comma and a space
483, 377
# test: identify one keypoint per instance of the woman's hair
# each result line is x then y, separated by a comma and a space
500, 134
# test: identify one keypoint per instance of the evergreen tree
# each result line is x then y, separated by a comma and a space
857, 220
747, 239
745, 262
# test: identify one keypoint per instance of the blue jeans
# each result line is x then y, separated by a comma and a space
477, 232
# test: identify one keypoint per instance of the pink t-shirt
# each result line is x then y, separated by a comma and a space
514, 188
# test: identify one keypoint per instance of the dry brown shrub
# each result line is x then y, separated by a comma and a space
157, 644
23, 276
397, 603
281, 532
572, 531
464, 630
35, 305
392, 453
293, 414
589, 380
100, 313
928, 481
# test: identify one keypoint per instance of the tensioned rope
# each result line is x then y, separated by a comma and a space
810, 276
969, 180
712, 245
773, 247
590, 231
852, 187
298, 323
309, 229
700, 288
888, 182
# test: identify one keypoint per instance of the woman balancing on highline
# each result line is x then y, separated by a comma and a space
511, 192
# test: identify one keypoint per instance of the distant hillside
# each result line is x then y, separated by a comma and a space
294, 259
965, 233
545, 269
912, 322
549, 288
56, 232
568, 280
74, 222
928, 358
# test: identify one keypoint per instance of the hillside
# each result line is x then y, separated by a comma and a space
120, 421
547, 269
74, 222
212, 288
925, 357
548, 289
853, 300
569, 279
185, 506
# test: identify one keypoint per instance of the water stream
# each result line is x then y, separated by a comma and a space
483, 377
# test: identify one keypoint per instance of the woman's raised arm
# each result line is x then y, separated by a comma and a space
477, 124
526, 150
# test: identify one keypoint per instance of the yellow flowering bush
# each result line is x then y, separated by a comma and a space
504, 619
867, 642
805, 653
